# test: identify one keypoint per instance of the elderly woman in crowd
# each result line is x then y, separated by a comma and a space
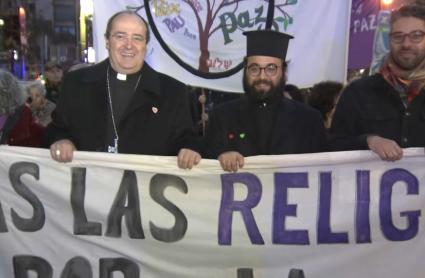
17, 126
40, 106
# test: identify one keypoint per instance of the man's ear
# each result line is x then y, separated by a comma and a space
106, 43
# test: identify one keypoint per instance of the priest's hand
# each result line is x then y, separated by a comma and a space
387, 149
231, 161
62, 150
187, 159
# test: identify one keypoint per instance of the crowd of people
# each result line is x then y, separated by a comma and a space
122, 105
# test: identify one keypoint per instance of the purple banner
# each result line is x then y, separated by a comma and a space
362, 29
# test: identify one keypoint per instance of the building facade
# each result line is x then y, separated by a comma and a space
49, 30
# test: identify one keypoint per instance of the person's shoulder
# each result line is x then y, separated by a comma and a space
149, 70
24, 113
166, 79
25, 110
364, 88
366, 82
300, 108
231, 105
162, 80
88, 73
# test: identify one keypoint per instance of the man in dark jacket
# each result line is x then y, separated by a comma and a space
122, 104
385, 112
263, 122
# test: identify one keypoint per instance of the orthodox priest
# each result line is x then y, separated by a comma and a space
263, 122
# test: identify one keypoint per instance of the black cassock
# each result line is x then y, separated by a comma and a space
281, 126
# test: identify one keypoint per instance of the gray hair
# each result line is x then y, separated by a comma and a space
36, 85
11, 94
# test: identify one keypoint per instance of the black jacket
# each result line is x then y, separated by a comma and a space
156, 122
371, 106
295, 128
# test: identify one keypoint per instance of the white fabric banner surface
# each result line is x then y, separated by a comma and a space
206, 46
344, 214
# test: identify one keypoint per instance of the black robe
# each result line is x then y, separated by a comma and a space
281, 127
156, 122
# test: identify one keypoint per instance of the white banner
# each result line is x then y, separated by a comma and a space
201, 43
342, 214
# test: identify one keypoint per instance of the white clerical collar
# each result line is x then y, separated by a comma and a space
121, 76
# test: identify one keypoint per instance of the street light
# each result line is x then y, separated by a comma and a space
387, 2
86, 7
86, 14
386, 5
1, 34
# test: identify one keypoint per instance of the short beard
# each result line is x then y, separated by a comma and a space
410, 65
261, 95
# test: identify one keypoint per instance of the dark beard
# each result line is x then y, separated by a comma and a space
260, 96
407, 66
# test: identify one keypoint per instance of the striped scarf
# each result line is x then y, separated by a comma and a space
408, 83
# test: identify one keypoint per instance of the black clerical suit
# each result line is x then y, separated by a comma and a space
281, 126
156, 121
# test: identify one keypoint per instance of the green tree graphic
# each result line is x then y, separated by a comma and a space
214, 20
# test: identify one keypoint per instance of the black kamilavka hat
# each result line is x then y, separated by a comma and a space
267, 43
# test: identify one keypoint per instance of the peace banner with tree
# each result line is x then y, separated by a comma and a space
200, 42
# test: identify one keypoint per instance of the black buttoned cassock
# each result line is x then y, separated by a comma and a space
156, 122
294, 128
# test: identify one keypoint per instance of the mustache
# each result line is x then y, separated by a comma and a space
262, 81
407, 48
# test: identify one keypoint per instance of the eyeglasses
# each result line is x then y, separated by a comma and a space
415, 36
122, 37
269, 70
